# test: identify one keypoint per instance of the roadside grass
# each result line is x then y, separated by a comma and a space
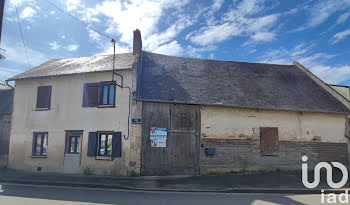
253, 172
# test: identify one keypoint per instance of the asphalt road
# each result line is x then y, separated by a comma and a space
37, 195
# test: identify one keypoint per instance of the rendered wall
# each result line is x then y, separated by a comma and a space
67, 113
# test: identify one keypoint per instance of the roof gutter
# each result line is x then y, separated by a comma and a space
7, 83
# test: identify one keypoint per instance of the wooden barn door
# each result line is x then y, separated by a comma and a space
181, 154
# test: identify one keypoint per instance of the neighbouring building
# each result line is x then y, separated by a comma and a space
167, 115
6, 99
343, 90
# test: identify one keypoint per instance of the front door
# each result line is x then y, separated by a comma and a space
73, 151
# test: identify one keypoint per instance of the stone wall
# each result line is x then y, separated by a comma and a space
236, 154
235, 135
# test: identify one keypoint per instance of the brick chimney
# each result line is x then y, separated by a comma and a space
137, 44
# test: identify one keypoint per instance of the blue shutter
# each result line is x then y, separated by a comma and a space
117, 144
92, 144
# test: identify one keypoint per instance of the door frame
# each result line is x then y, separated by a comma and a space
66, 146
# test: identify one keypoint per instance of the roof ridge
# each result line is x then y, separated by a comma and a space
88, 56
219, 59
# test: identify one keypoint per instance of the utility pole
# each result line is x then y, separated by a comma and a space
2, 7
113, 41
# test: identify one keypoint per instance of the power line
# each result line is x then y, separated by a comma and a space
105, 35
20, 29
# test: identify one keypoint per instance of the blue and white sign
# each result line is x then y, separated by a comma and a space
158, 136
159, 133
136, 121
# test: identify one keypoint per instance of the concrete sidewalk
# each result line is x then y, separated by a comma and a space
283, 182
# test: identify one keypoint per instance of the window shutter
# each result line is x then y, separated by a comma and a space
92, 144
117, 144
269, 140
90, 95
43, 99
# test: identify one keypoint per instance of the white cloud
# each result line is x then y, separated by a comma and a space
236, 25
72, 47
52, 12
215, 34
340, 36
54, 45
6, 72
109, 49
19, 3
128, 16
15, 53
94, 35
252, 50
250, 7
125, 16
63, 37
172, 48
342, 18
217, 4
211, 56
315, 62
27, 13
196, 52
242, 20
263, 36
291, 12
332, 75
324, 9
301, 53
72, 4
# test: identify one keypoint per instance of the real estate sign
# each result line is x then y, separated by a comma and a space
158, 136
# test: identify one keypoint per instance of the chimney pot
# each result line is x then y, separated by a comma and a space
137, 44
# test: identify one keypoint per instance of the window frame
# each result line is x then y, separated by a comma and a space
108, 94
99, 143
76, 147
35, 139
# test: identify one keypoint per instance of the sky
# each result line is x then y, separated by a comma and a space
314, 33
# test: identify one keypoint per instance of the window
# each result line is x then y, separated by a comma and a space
107, 93
90, 95
43, 100
74, 145
40, 144
99, 94
105, 144
269, 140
